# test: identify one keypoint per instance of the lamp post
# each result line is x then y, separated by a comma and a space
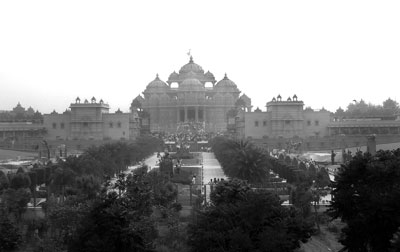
315, 203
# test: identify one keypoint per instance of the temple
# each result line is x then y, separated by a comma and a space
190, 96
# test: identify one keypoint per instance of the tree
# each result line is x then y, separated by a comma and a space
88, 186
302, 166
118, 222
322, 179
166, 165
10, 236
62, 177
365, 197
241, 219
4, 183
250, 163
390, 104
20, 180
16, 200
241, 159
302, 198
64, 219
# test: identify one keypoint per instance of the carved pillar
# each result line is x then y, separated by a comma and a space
196, 110
178, 114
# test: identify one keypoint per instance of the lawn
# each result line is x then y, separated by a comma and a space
11, 154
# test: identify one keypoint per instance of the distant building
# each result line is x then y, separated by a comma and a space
20, 114
190, 96
91, 121
284, 119
287, 122
20, 125
193, 96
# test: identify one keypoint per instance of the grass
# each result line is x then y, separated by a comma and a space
11, 154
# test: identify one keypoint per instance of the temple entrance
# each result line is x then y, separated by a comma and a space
201, 117
181, 115
191, 116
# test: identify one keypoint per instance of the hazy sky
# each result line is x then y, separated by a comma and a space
327, 52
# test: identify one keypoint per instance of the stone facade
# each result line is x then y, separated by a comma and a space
283, 119
91, 121
191, 95
287, 121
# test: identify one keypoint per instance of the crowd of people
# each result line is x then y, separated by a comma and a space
186, 133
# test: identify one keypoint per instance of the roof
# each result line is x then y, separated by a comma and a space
226, 85
191, 66
157, 83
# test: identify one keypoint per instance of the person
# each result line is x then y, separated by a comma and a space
344, 156
333, 154
194, 179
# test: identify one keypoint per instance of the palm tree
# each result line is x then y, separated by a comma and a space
249, 163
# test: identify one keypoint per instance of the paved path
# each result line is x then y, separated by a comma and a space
150, 162
212, 168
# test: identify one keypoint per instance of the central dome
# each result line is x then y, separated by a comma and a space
191, 67
191, 85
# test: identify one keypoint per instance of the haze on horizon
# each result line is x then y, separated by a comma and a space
327, 53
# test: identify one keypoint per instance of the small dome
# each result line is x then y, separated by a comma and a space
209, 75
173, 76
191, 66
191, 85
225, 83
157, 83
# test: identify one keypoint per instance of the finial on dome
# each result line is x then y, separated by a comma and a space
157, 78
191, 59
225, 77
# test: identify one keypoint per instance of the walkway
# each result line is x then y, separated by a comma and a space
150, 162
212, 168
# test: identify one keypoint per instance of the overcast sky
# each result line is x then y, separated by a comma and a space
328, 53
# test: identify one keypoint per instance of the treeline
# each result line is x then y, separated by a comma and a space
298, 172
243, 160
242, 219
305, 183
389, 108
78, 177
